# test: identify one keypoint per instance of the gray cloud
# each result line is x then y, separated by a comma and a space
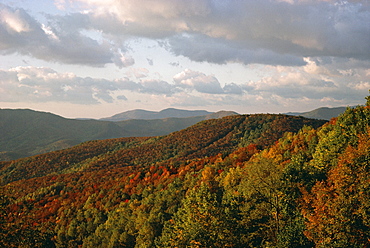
18, 29
233, 89
61, 41
263, 31
204, 48
157, 87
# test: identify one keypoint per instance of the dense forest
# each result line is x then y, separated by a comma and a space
258, 180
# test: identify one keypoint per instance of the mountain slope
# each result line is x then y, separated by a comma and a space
31, 132
27, 132
208, 137
150, 115
323, 113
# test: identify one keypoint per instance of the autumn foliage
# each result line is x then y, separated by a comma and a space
241, 181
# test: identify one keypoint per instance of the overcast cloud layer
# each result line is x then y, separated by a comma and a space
310, 51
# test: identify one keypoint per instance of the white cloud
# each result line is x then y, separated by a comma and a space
14, 21
363, 86
48, 31
33, 84
317, 80
198, 81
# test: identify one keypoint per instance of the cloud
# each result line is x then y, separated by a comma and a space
38, 84
317, 80
193, 80
62, 40
142, 18
17, 29
157, 87
264, 31
219, 51
41, 84
14, 22
281, 87
122, 60
233, 88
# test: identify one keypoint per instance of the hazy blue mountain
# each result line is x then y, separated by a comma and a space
323, 113
150, 115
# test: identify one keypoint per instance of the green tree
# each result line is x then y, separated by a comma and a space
201, 221
262, 190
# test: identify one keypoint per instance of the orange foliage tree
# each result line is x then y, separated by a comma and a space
337, 210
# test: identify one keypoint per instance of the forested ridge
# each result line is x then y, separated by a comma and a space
241, 181
27, 132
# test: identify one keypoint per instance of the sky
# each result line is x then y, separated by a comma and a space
97, 58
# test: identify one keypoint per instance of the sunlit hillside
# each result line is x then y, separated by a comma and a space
241, 181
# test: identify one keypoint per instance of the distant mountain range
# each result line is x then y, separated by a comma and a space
27, 132
141, 114
323, 113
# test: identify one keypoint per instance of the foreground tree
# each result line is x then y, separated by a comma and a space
201, 221
337, 210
